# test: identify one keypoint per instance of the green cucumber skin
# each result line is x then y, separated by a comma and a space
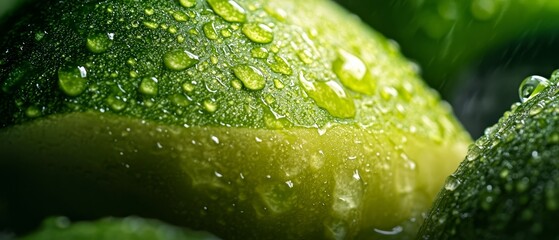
508, 185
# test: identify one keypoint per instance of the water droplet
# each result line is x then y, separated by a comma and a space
280, 65
278, 84
225, 33
452, 183
39, 36
532, 86
188, 3
388, 93
229, 10
33, 112
148, 86
209, 31
259, 52
179, 100
251, 77
99, 43
116, 103
180, 16
305, 56
484, 9
473, 152
187, 87
330, 96
258, 32
237, 84
151, 25
352, 73
72, 81
536, 109
149, 11
179, 60
210, 106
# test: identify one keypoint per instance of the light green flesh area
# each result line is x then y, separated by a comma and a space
295, 183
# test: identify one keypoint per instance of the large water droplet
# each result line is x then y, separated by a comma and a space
72, 81
179, 60
188, 3
280, 65
180, 16
251, 77
179, 100
352, 71
259, 52
148, 86
532, 86
258, 32
330, 96
98, 43
116, 103
229, 10
209, 31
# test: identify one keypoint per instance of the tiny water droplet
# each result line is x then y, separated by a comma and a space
473, 152
116, 103
187, 87
306, 56
148, 86
39, 36
452, 183
188, 3
258, 32
72, 81
388, 93
225, 33
151, 25
179, 60
329, 96
251, 77
278, 84
209, 31
532, 86
229, 10
179, 100
33, 112
237, 84
149, 11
